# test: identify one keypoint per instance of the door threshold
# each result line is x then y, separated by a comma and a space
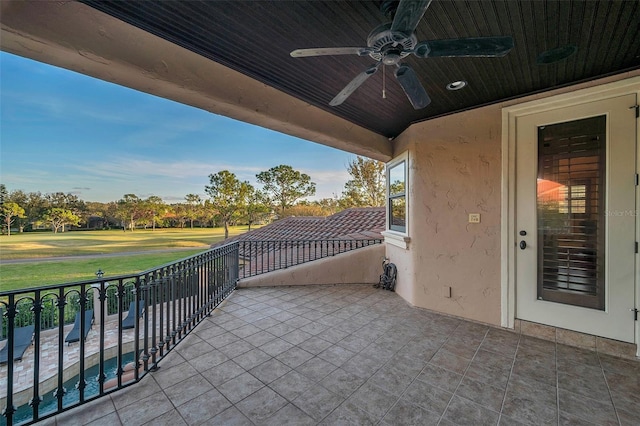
580, 340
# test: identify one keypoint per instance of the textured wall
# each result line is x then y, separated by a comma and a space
359, 266
454, 170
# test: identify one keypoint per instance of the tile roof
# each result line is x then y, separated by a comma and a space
295, 240
356, 223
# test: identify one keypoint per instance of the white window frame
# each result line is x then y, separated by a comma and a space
397, 237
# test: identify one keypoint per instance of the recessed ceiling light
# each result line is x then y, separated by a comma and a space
556, 55
456, 85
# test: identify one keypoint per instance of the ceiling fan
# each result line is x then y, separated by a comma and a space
389, 43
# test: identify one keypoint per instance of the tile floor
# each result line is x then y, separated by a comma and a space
357, 355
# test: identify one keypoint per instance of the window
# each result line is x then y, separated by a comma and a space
397, 202
574, 201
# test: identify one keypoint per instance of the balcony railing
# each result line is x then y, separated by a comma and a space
259, 257
122, 343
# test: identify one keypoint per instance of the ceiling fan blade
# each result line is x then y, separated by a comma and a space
494, 47
353, 85
408, 15
327, 51
412, 87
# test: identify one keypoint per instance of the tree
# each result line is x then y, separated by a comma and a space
209, 213
130, 208
58, 217
226, 194
20, 198
10, 211
285, 186
304, 209
329, 205
256, 205
179, 214
112, 213
100, 210
4, 195
192, 208
367, 185
155, 208
35, 206
66, 201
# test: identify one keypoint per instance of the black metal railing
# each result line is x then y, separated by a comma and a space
123, 344
135, 320
259, 257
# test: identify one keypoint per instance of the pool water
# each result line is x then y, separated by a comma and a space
49, 403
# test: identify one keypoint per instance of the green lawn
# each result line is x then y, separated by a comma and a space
31, 245
27, 275
35, 245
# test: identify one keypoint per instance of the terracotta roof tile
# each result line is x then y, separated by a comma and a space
356, 223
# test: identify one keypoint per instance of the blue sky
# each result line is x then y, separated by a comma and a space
64, 131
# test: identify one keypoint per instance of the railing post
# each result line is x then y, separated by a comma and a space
136, 329
97, 305
179, 299
237, 253
150, 353
82, 384
60, 391
172, 281
101, 313
167, 295
120, 293
11, 323
36, 399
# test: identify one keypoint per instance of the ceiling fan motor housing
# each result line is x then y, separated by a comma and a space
390, 46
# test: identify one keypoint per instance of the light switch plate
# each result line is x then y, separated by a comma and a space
446, 291
474, 217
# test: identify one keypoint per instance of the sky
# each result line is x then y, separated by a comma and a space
61, 131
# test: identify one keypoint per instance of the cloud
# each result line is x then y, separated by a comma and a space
103, 140
328, 176
141, 168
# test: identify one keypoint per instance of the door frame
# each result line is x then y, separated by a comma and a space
508, 198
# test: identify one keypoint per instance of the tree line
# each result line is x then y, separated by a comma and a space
282, 192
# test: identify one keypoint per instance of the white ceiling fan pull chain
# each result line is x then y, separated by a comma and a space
384, 81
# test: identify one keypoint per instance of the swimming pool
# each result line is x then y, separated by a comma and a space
49, 403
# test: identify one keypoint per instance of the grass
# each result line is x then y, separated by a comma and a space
35, 245
27, 275
31, 245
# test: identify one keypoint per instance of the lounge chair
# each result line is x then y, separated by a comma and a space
22, 338
74, 334
130, 320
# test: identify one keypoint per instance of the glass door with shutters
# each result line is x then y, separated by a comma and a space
571, 215
575, 195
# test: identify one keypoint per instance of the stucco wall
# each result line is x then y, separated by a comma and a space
359, 266
454, 170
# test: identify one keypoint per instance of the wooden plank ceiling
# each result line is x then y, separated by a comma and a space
256, 37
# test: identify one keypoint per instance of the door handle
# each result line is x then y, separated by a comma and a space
523, 245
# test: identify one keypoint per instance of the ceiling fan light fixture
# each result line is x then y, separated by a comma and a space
456, 85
